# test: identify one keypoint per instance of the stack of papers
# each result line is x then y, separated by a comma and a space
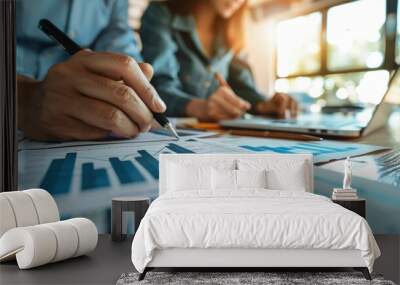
344, 194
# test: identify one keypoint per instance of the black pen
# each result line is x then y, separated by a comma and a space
72, 47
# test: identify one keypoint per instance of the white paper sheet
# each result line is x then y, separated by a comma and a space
323, 151
384, 168
87, 177
157, 135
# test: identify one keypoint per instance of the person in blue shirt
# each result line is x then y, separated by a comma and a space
194, 47
98, 92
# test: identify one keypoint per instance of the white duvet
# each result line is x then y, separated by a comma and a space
250, 219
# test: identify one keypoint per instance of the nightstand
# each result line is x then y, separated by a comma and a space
357, 206
120, 205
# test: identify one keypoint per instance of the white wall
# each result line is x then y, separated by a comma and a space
260, 49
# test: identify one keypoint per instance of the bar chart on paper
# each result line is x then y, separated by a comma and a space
322, 151
94, 174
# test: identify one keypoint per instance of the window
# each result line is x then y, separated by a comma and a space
349, 64
298, 45
355, 35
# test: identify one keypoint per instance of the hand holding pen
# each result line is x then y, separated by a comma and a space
224, 103
90, 96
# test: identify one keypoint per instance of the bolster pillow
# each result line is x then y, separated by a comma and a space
40, 244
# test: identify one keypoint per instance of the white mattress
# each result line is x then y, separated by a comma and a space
257, 219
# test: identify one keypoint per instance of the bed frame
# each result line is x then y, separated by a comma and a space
245, 259
240, 259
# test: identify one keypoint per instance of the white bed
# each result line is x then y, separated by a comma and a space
247, 227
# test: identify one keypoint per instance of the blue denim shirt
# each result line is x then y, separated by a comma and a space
101, 25
181, 69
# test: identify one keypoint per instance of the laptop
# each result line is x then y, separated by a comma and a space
360, 122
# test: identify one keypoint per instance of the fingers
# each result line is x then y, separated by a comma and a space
73, 129
224, 103
147, 69
216, 113
279, 105
286, 103
228, 95
121, 67
221, 80
294, 107
119, 95
102, 115
225, 107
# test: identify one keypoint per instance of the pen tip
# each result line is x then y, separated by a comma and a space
173, 131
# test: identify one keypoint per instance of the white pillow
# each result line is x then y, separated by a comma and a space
185, 178
251, 178
230, 180
282, 174
223, 179
293, 180
184, 173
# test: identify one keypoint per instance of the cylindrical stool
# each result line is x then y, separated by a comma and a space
138, 205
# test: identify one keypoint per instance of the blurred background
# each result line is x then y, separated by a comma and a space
323, 52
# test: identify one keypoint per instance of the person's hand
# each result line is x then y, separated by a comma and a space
222, 104
225, 104
278, 106
89, 96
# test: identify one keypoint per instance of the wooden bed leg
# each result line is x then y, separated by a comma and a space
364, 271
142, 275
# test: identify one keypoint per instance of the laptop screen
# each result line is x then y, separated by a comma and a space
393, 90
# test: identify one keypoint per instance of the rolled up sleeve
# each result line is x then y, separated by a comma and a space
241, 80
118, 36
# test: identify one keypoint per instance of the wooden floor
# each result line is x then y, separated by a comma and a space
110, 260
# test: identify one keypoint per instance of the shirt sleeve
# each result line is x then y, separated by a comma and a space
159, 49
241, 80
118, 36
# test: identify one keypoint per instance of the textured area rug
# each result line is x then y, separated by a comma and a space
243, 278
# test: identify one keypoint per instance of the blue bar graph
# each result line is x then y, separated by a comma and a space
149, 162
58, 177
315, 149
94, 178
325, 149
264, 148
178, 149
167, 133
126, 171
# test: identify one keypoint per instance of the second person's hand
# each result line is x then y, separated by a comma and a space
279, 105
222, 104
225, 104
